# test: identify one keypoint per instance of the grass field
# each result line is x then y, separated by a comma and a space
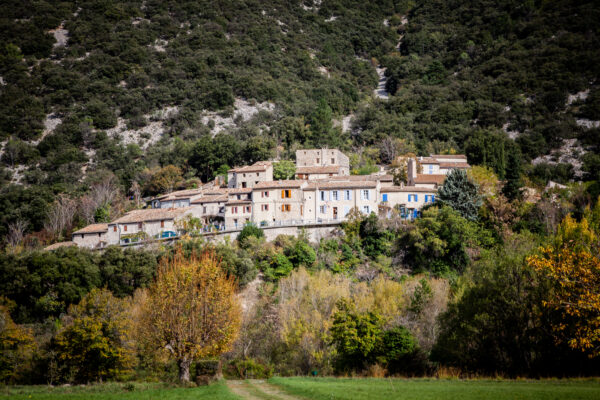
429, 389
113, 391
323, 388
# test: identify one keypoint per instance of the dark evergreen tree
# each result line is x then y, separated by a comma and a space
512, 187
460, 193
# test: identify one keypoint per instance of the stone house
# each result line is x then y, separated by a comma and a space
92, 236
333, 200
323, 158
278, 201
409, 198
250, 175
146, 223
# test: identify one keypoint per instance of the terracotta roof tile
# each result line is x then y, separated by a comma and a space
430, 178
59, 245
279, 184
152, 214
93, 228
256, 167
327, 169
211, 199
450, 156
394, 189
454, 165
321, 184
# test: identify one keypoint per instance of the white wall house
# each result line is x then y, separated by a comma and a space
410, 199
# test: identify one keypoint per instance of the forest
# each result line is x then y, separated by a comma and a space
104, 104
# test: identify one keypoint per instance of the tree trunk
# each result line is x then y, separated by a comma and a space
184, 370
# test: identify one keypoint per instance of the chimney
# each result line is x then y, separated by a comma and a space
411, 170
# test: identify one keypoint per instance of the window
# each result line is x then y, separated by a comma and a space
114, 228
244, 175
286, 207
323, 209
334, 195
323, 195
431, 169
243, 184
204, 210
265, 207
318, 160
384, 197
365, 194
333, 160
366, 209
125, 228
234, 210
264, 194
139, 225
162, 223
248, 209
413, 197
347, 195
258, 174
286, 194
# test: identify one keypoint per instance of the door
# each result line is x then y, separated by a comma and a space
335, 213
415, 213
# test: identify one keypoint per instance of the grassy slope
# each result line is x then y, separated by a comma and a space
117, 391
425, 389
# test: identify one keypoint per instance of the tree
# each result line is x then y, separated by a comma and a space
192, 310
512, 187
356, 336
284, 170
249, 230
60, 216
95, 340
17, 347
460, 193
166, 179
572, 264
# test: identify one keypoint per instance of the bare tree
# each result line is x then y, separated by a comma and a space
60, 216
136, 192
16, 233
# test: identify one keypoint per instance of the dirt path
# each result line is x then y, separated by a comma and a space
257, 389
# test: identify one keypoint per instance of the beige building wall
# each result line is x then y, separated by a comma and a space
237, 214
277, 204
322, 157
89, 240
248, 177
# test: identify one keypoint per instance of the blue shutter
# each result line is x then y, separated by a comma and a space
416, 197
385, 197
433, 198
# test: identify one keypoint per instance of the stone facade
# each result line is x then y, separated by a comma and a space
323, 158
250, 175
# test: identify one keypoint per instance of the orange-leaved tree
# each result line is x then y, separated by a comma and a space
192, 310
572, 264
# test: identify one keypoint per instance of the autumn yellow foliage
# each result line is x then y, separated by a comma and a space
192, 310
572, 265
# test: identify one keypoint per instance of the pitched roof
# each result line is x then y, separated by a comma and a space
240, 190
179, 194
93, 228
258, 166
430, 178
279, 184
211, 199
152, 214
59, 245
394, 189
428, 160
236, 202
450, 156
454, 165
322, 184
383, 178
327, 169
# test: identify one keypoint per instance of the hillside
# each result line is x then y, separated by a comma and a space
89, 89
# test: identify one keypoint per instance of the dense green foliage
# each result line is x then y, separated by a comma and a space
460, 194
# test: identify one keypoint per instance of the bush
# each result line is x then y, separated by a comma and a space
249, 368
249, 230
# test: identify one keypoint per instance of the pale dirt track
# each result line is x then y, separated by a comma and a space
257, 389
